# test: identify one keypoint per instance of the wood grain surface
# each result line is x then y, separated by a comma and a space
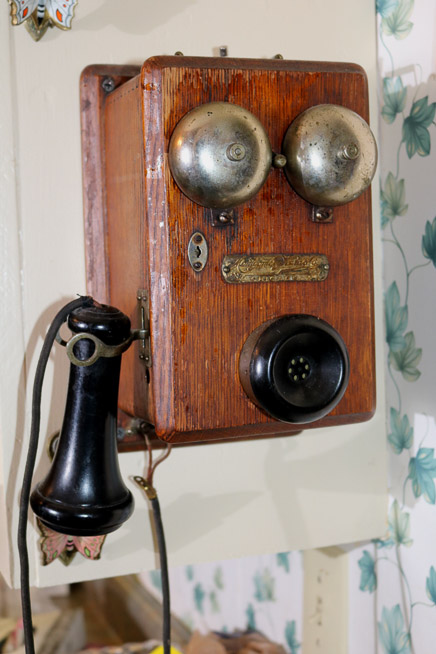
198, 322
92, 100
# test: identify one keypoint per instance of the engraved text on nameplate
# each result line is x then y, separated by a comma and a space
244, 268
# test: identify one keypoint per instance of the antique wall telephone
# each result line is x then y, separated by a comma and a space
191, 230
228, 218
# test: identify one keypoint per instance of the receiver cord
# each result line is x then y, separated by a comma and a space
26, 606
150, 491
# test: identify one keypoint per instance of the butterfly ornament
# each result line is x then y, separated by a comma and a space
60, 546
39, 15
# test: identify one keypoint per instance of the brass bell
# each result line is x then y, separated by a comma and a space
219, 155
331, 155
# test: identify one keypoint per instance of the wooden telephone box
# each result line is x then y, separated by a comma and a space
141, 231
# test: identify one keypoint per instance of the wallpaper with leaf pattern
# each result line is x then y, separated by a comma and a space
261, 592
393, 580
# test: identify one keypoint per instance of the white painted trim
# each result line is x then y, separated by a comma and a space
325, 616
12, 351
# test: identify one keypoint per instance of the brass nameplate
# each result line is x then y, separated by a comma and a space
244, 268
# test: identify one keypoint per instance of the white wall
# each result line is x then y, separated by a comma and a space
323, 487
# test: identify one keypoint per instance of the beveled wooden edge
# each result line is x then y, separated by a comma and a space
92, 102
231, 63
157, 238
263, 430
135, 442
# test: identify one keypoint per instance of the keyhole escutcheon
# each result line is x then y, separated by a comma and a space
197, 251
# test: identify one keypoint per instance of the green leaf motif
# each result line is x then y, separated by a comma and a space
398, 528
397, 22
368, 577
401, 436
291, 637
415, 128
394, 95
422, 471
393, 198
396, 319
385, 7
189, 572
406, 360
218, 578
393, 637
283, 560
199, 595
429, 241
264, 586
430, 585
214, 603
251, 617
382, 542
383, 207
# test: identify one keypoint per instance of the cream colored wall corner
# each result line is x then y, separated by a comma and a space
320, 488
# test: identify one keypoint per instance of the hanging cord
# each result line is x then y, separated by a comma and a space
26, 606
147, 486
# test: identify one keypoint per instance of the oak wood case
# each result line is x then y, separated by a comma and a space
138, 226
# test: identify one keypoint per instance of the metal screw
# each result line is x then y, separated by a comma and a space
198, 238
197, 265
322, 214
178, 54
225, 217
235, 152
108, 84
223, 51
226, 269
279, 161
278, 56
350, 151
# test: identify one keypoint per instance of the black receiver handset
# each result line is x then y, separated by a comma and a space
83, 494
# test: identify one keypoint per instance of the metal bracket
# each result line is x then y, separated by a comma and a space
322, 214
223, 218
144, 321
